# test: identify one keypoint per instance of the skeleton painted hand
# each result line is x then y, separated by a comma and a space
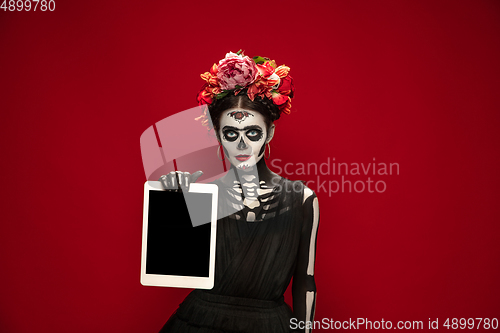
178, 180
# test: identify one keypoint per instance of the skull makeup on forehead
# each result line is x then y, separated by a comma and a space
240, 115
243, 134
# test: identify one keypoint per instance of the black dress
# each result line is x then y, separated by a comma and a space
255, 262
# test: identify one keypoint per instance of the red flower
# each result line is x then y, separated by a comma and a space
266, 69
278, 98
286, 86
204, 96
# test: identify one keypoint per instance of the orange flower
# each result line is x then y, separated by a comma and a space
282, 71
214, 69
272, 82
257, 88
211, 77
214, 90
285, 108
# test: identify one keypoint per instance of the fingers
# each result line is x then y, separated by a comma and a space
178, 180
163, 181
183, 180
196, 175
172, 179
169, 181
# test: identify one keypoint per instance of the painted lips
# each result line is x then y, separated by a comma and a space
243, 157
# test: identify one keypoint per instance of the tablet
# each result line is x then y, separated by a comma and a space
178, 236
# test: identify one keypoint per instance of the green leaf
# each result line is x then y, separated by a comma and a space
238, 87
222, 94
259, 60
239, 52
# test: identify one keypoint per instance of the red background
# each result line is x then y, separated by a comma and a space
414, 83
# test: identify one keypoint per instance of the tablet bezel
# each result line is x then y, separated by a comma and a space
176, 280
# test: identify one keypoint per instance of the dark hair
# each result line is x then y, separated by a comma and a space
263, 105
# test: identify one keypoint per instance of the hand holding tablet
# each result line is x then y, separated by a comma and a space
179, 232
179, 180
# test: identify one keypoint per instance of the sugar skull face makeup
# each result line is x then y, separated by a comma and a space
243, 134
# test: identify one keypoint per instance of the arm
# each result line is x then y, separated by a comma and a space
304, 286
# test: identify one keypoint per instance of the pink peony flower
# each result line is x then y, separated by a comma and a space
236, 70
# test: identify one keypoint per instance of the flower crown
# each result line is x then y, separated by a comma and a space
259, 75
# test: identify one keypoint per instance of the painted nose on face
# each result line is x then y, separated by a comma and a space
242, 145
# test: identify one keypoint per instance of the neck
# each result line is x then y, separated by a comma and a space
258, 173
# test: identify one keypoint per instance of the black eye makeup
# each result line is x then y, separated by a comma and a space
254, 134
230, 135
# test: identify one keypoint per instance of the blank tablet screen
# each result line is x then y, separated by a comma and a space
174, 245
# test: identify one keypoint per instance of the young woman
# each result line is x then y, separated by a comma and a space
267, 225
